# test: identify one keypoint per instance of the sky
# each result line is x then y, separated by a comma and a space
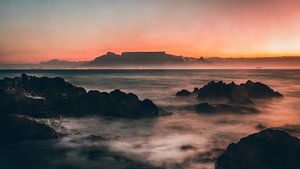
32, 31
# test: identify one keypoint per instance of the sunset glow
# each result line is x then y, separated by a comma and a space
32, 31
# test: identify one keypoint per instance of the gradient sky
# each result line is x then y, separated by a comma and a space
37, 30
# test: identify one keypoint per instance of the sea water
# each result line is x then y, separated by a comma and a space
185, 139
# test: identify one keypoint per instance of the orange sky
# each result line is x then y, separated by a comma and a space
32, 31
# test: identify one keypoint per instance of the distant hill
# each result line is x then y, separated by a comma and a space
142, 59
51, 64
56, 63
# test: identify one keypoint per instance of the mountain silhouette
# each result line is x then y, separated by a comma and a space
111, 59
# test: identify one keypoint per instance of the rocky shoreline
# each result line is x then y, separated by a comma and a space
50, 97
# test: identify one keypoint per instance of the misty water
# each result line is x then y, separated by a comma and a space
185, 139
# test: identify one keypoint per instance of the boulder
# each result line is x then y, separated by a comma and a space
236, 93
16, 129
183, 92
268, 149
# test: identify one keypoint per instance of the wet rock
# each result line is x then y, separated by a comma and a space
183, 92
268, 149
236, 93
48, 97
204, 107
232, 92
224, 108
15, 129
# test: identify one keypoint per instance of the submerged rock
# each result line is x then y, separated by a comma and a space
268, 149
15, 129
224, 108
48, 97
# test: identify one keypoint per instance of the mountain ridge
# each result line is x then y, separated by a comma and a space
156, 58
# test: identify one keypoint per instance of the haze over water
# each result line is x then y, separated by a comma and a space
160, 142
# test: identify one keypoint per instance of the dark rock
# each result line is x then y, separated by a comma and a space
15, 129
204, 107
224, 108
116, 104
95, 138
236, 93
48, 97
183, 92
187, 147
268, 149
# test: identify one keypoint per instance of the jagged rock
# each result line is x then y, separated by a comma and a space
185, 92
236, 93
232, 92
15, 129
268, 149
48, 97
223, 108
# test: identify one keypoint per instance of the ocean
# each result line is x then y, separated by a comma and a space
185, 139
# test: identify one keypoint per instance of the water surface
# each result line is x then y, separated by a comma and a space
183, 140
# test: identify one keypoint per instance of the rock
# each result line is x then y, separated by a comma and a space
48, 97
204, 107
95, 138
117, 104
268, 149
187, 147
224, 108
236, 93
183, 92
16, 129
241, 94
